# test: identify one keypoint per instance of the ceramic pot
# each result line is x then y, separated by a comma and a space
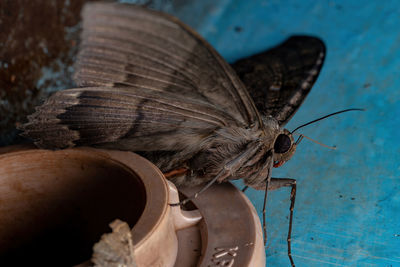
56, 204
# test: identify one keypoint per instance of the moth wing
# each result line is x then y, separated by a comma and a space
127, 45
279, 79
129, 118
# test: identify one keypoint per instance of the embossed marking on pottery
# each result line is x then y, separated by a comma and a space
224, 256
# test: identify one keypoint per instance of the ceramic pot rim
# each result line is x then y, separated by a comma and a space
155, 185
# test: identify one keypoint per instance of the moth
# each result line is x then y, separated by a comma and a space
150, 84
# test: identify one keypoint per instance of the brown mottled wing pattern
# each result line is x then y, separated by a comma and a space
279, 79
149, 83
132, 118
126, 45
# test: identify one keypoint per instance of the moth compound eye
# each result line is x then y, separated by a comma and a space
282, 143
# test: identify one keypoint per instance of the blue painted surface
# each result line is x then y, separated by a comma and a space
348, 202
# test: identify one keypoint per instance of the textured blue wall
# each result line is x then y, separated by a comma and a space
348, 204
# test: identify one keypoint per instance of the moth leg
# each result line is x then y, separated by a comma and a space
225, 172
276, 183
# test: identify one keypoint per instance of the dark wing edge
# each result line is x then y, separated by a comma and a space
128, 45
279, 79
130, 118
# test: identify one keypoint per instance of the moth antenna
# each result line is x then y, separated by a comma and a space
264, 211
312, 140
329, 115
210, 183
